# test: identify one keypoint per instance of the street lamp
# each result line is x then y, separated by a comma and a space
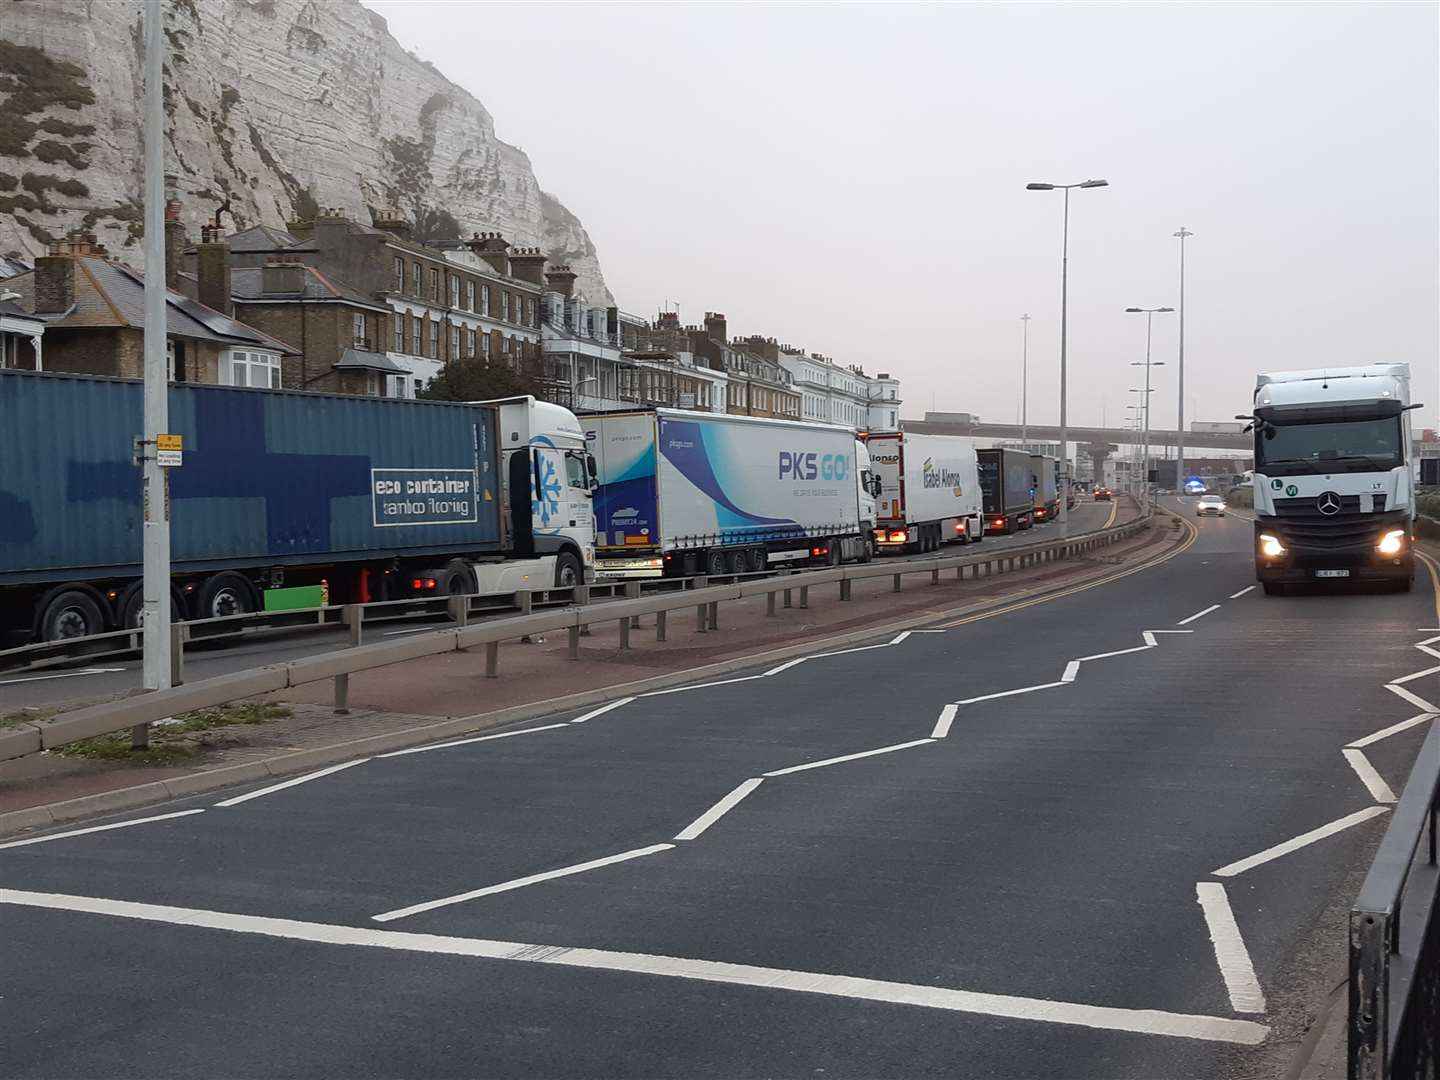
1025, 379
1149, 314
1180, 411
1064, 296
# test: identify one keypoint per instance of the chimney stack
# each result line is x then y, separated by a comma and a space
282, 277
715, 327
55, 280
493, 248
175, 238
528, 264
561, 280
212, 271
393, 220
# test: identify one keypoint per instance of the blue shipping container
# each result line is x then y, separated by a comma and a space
269, 477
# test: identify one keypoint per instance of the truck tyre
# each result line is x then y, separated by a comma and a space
567, 571
130, 607
226, 593
758, 560
714, 562
737, 562
867, 549
71, 613
458, 579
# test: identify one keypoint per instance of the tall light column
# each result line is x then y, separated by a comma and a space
1180, 411
1149, 314
1064, 492
1025, 378
155, 493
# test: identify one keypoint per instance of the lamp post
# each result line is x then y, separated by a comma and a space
1149, 314
1025, 378
1180, 410
1064, 297
1133, 425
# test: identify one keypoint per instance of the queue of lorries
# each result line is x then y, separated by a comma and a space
282, 499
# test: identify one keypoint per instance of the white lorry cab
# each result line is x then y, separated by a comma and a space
543, 452
1333, 480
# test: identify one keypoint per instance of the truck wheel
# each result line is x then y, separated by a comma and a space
737, 562
227, 593
567, 571
131, 607
715, 562
758, 560
72, 613
458, 579
867, 549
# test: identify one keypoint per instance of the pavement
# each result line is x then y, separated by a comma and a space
1110, 834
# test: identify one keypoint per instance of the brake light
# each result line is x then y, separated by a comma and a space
899, 536
422, 584
819, 551
959, 526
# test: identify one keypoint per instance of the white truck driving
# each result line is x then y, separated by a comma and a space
929, 490
1334, 494
684, 493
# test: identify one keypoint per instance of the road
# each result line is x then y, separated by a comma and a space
111, 676
1104, 836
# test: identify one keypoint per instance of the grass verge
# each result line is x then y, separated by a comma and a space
181, 738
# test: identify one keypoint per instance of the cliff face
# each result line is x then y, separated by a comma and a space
275, 107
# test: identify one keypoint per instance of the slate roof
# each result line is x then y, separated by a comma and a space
245, 285
110, 295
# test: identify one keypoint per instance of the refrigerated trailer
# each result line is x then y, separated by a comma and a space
279, 496
1005, 486
929, 490
684, 493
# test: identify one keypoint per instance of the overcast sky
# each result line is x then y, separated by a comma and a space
850, 179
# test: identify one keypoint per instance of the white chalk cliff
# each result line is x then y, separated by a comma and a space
274, 106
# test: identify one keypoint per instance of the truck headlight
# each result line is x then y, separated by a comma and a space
1270, 546
1392, 543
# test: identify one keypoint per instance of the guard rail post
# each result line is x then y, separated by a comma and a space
492, 659
844, 589
714, 614
582, 597
896, 586
770, 604
632, 592
178, 637
702, 613
660, 625
935, 576
353, 615
804, 597
625, 624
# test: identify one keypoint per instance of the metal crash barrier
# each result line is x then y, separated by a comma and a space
1394, 1017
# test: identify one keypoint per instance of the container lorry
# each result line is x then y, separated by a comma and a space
1333, 479
929, 490
276, 497
1005, 483
1044, 478
684, 493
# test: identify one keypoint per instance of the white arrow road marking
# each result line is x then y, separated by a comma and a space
1230, 952
520, 883
770, 980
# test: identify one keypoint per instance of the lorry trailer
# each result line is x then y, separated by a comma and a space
1045, 481
277, 495
929, 490
1333, 480
684, 493
1005, 483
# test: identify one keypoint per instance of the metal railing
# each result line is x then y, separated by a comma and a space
138, 712
1394, 1017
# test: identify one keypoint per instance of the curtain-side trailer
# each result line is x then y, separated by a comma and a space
684, 493
929, 490
1044, 474
280, 499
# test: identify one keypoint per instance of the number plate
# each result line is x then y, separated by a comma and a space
1332, 573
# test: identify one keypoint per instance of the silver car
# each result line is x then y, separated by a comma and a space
1210, 504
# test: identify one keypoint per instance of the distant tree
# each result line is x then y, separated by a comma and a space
433, 225
478, 379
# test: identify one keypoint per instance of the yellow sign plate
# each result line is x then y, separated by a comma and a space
169, 442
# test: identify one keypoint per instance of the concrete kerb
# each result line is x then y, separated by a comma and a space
197, 783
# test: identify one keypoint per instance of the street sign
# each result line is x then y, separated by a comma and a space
169, 450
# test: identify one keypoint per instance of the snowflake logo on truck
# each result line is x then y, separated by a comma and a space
545, 491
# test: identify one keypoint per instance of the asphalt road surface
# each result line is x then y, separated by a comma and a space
107, 676
1103, 836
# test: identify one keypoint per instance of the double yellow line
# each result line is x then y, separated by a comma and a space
1192, 534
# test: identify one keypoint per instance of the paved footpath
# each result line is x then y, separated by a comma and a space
1109, 835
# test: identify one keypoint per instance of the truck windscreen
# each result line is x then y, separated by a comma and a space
1344, 446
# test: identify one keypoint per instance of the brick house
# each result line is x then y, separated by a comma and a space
460, 299
94, 314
